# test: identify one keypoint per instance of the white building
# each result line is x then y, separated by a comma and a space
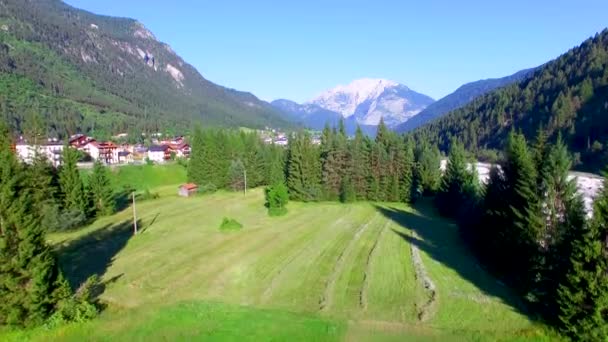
50, 149
159, 153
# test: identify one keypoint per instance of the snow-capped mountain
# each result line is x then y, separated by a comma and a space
368, 100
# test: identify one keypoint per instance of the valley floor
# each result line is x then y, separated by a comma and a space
325, 271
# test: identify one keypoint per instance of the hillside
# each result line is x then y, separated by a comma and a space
86, 72
460, 97
568, 95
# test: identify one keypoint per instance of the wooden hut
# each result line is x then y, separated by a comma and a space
187, 190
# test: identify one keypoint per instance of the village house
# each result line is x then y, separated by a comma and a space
51, 149
187, 190
125, 157
159, 153
107, 152
181, 150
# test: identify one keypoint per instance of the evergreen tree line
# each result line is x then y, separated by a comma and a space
229, 159
528, 224
387, 168
33, 200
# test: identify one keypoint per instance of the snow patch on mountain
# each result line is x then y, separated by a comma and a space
369, 100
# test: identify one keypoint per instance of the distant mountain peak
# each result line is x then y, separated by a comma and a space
369, 99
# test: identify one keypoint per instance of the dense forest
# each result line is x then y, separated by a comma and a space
567, 96
81, 72
459, 98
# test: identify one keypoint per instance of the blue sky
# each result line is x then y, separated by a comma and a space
295, 50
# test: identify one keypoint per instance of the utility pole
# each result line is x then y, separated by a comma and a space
245, 177
134, 215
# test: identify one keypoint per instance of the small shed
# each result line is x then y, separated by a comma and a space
187, 190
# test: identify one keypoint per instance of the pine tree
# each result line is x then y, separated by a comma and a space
303, 169
347, 191
274, 159
70, 182
254, 161
427, 172
360, 172
407, 180
563, 212
41, 173
525, 207
237, 175
101, 190
583, 293
458, 184
31, 285
196, 164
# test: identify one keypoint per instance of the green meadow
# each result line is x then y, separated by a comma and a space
323, 272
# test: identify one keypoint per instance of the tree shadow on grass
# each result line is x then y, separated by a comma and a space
439, 239
93, 253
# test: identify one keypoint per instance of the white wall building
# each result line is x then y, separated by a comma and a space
51, 150
159, 154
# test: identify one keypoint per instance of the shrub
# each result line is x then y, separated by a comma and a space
229, 224
57, 220
80, 307
208, 188
277, 197
147, 195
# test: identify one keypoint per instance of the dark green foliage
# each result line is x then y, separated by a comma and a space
360, 166
303, 169
583, 293
459, 184
237, 175
78, 307
44, 193
92, 80
459, 98
196, 165
531, 229
70, 183
229, 224
220, 158
102, 193
275, 165
347, 190
31, 284
427, 174
567, 95
277, 197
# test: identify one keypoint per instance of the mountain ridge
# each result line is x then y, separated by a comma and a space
566, 97
461, 97
108, 74
369, 100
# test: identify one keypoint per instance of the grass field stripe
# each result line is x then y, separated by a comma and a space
365, 284
327, 297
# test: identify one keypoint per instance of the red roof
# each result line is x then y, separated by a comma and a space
189, 186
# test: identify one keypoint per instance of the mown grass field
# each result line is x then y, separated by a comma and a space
323, 272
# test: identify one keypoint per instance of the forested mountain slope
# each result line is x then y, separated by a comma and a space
85, 72
568, 95
460, 97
